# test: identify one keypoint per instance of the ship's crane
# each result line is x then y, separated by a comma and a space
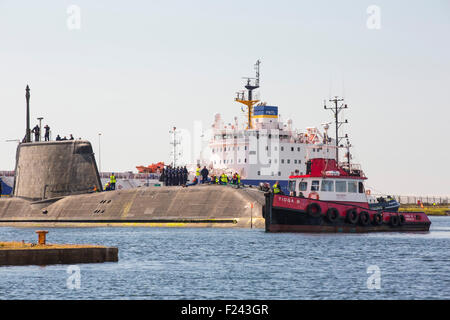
249, 102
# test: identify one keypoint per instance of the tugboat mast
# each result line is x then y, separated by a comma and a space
336, 109
249, 102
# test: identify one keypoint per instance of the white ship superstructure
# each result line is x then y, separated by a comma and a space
264, 149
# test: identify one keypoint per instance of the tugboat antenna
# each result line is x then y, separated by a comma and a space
336, 109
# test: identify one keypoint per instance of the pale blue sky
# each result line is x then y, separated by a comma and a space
136, 68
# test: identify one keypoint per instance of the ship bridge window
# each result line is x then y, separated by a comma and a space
341, 186
315, 185
351, 186
327, 185
292, 148
282, 148
303, 186
298, 149
360, 187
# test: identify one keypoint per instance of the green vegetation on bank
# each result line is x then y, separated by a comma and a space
439, 210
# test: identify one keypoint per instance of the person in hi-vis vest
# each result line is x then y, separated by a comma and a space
112, 180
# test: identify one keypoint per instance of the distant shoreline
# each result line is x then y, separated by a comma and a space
438, 210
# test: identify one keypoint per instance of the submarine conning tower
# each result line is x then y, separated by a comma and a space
53, 169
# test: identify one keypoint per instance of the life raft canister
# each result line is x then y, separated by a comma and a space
313, 195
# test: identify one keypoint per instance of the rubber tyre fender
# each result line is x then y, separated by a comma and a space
332, 215
394, 220
377, 219
401, 219
352, 216
364, 218
313, 210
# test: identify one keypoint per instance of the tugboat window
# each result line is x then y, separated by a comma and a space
292, 185
341, 186
360, 187
303, 186
351, 186
327, 185
315, 185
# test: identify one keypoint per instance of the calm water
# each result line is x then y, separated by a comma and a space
165, 263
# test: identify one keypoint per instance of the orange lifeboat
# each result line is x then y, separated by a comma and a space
153, 168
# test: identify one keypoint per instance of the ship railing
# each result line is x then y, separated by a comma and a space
354, 169
132, 176
426, 200
6, 173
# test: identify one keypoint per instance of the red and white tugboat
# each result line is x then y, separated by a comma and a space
331, 197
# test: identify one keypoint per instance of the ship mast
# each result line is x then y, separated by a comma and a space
336, 110
249, 102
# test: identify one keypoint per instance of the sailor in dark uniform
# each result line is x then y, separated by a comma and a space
172, 177
176, 177
180, 176
185, 175
169, 176
166, 179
